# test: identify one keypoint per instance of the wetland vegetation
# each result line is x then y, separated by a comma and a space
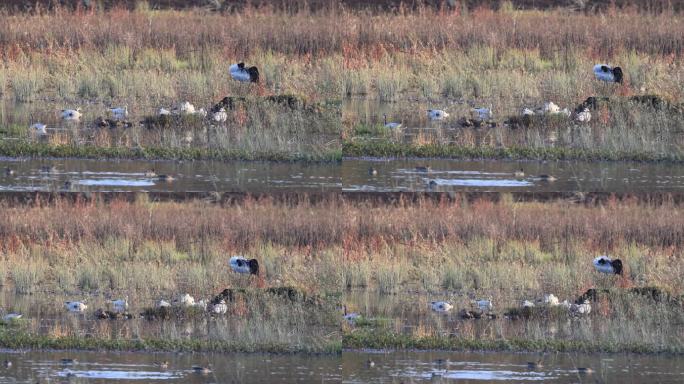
389, 261
334, 271
412, 60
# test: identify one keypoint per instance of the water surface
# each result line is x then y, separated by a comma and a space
189, 176
496, 175
460, 367
108, 367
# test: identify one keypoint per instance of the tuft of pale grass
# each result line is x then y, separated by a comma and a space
26, 85
27, 276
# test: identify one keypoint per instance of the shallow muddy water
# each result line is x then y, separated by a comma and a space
195, 176
490, 175
459, 367
107, 367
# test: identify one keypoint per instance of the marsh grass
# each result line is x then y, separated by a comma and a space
27, 277
438, 246
345, 52
278, 128
427, 57
435, 250
27, 85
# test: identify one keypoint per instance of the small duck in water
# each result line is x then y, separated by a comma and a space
201, 370
167, 178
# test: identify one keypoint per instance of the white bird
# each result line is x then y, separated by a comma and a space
244, 74
221, 308
436, 114
75, 306
605, 72
185, 300
584, 116
220, 116
11, 317
550, 299
350, 317
391, 125
527, 304
605, 264
527, 112
483, 114
550, 108
164, 112
120, 305
581, 309
71, 114
186, 108
240, 264
39, 128
484, 305
119, 113
163, 304
440, 306
566, 112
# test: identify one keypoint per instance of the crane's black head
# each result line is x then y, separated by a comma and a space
241, 65
617, 266
254, 267
253, 74
617, 74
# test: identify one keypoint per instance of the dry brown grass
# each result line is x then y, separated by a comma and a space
359, 35
336, 222
329, 245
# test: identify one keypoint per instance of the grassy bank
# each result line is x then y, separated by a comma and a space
13, 339
33, 149
387, 340
385, 148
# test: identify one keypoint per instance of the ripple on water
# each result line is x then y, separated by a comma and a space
483, 182
119, 375
115, 182
496, 375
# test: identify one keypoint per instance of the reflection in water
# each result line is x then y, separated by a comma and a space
101, 367
139, 175
508, 176
409, 366
482, 183
115, 182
